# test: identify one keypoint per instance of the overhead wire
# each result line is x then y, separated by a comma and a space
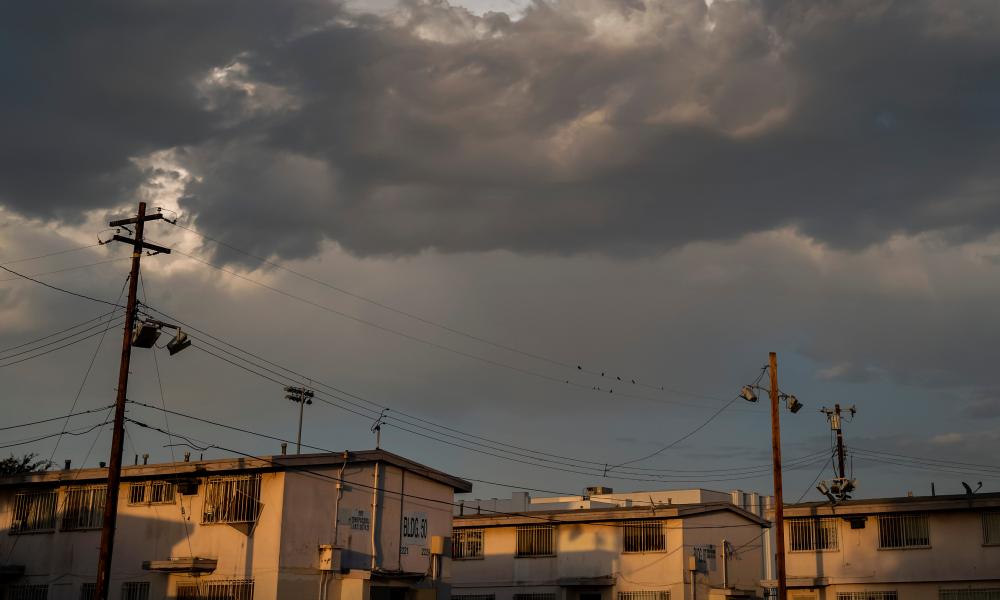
50, 419
78, 325
66, 269
57, 348
433, 344
59, 289
283, 379
31, 258
576, 366
56, 341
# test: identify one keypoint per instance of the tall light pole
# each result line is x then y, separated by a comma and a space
303, 396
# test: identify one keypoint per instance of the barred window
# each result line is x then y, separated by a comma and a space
151, 492
83, 507
34, 511
473, 597
813, 534
891, 595
28, 591
88, 591
535, 540
991, 528
187, 591
467, 543
535, 596
903, 531
643, 536
970, 594
135, 590
232, 499
230, 589
645, 595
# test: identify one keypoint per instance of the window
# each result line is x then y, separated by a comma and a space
473, 597
643, 536
28, 591
151, 492
535, 540
232, 589
536, 596
187, 591
88, 591
866, 595
34, 511
970, 594
991, 528
903, 531
644, 595
83, 507
232, 499
812, 534
467, 543
135, 590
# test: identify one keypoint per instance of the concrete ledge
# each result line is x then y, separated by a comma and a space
191, 565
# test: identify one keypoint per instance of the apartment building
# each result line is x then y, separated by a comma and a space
654, 551
235, 529
910, 548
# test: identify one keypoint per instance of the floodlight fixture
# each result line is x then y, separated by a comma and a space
180, 342
146, 334
793, 404
748, 394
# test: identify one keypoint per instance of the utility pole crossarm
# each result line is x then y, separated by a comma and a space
141, 244
132, 220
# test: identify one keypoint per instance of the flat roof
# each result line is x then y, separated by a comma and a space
864, 506
218, 466
593, 515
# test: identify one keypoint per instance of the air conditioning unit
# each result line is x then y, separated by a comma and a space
329, 558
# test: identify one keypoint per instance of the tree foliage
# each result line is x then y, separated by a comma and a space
28, 463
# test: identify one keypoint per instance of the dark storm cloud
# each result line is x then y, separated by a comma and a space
621, 127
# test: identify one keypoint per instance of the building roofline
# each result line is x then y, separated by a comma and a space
218, 466
590, 515
897, 504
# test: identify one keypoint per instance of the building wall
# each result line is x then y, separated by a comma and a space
957, 553
150, 532
594, 550
744, 564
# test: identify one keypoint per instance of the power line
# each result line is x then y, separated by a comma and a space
56, 341
86, 266
59, 289
30, 258
52, 435
598, 467
50, 419
298, 468
436, 345
571, 366
51, 350
925, 460
78, 325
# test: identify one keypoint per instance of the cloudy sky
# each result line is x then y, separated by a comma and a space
446, 209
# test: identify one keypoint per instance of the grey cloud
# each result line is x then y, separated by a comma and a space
617, 127
986, 406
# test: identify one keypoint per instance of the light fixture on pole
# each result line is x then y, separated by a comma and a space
303, 396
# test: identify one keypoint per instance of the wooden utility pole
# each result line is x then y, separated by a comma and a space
840, 440
779, 506
118, 435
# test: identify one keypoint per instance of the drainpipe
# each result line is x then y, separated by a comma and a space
336, 501
374, 520
402, 494
725, 564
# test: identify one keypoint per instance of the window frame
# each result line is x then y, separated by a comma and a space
232, 484
135, 590
991, 593
534, 531
814, 526
643, 595
985, 517
81, 518
51, 497
169, 491
903, 518
641, 530
459, 541
869, 595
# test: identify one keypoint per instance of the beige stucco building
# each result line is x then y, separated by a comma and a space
651, 552
241, 529
910, 548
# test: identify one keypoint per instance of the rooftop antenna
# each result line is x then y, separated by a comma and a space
377, 428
